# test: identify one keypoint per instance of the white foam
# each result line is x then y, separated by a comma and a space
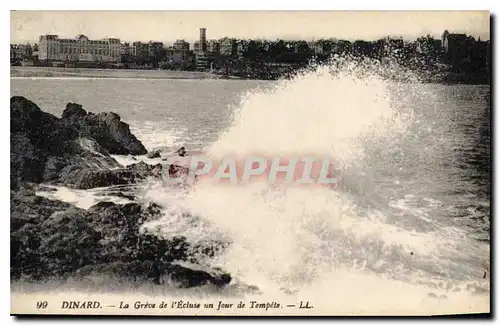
125, 160
80, 198
316, 240
156, 135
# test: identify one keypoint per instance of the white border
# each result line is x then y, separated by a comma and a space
256, 5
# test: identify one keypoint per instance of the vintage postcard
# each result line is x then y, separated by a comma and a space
250, 163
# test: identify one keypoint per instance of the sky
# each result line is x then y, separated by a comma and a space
167, 26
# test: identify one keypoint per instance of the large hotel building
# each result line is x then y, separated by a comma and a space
53, 48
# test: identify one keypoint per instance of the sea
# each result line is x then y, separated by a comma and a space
407, 231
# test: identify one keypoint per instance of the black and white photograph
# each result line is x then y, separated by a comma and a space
250, 163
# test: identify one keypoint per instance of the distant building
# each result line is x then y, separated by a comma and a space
20, 51
179, 59
227, 47
241, 48
140, 49
318, 48
428, 45
344, 46
321, 46
392, 46
453, 42
125, 49
181, 45
456, 47
53, 48
296, 48
213, 46
202, 62
203, 39
155, 48
190, 63
300, 47
363, 48
197, 47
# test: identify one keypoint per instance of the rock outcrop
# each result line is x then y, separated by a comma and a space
106, 128
84, 177
181, 151
51, 239
35, 137
154, 154
44, 146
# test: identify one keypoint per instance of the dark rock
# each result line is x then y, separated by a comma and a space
92, 146
26, 161
157, 171
43, 145
56, 168
84, 177
53, 166
46, 189
111, 218
35, 136
51, 239
24, 253
118, 194
175, 171
153, 209
141, 168
31, 209
209, 248
106, 128
87, 178
154, 154
181, 151
128, 271
120, 225
187, 277
73, 113
67, 243
158, 272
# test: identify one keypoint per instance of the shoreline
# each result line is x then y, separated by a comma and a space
59, 72
21, 72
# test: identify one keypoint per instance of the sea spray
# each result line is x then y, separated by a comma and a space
299, 238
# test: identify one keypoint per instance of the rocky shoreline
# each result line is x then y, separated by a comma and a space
54, 240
